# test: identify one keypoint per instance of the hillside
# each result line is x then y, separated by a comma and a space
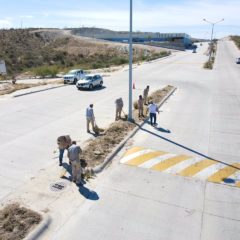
236, 39
28, 49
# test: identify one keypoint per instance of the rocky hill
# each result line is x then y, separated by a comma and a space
28, 49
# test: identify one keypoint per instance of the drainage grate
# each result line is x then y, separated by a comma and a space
58, 186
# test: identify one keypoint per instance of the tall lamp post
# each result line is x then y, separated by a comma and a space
130, 66
211, 43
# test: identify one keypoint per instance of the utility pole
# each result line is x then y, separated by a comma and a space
130, 67
211, 42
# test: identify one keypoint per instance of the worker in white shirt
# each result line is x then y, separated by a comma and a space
153, 110
90, 117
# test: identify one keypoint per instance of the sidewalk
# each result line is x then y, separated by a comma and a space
38, 195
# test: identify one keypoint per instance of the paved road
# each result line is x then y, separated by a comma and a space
200, 119
30, 125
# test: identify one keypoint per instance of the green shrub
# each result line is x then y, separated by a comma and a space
45, 71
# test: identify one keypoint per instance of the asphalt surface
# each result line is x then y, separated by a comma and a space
130, 202
30, 125
199, 120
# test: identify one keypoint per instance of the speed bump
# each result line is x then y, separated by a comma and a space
183, 165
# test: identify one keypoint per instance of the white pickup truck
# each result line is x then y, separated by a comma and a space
73, 76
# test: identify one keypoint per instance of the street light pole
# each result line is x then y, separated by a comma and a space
130, 66
211, 43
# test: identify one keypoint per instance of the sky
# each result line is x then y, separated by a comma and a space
164, 16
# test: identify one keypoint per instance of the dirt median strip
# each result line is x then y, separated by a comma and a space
16, 221
99, 151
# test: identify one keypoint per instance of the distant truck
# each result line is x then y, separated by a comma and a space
73, 76
2, 67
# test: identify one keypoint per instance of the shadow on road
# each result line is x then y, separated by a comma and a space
94, 89
163, 130
84, 191
87, 193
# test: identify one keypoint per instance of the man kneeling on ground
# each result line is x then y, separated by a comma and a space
74, 152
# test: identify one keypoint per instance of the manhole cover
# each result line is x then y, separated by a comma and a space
58, 186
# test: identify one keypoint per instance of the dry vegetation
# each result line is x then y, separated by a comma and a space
46, 52
7, 88
213, 49
16, 222
236, 40
97, 150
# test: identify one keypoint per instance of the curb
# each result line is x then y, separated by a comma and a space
108, 159
38, 231
41, 90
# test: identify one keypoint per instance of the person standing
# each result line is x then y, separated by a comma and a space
153, 110
119, 107
145, 95
74, 152
90, 117
140, 106
63, 143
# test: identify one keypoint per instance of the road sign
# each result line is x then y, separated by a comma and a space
2, 67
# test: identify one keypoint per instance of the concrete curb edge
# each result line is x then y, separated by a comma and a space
108, 159
41, 90
38, 231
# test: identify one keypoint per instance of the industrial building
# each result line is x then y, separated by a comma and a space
168, 40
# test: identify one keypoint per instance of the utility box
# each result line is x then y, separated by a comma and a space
2, 67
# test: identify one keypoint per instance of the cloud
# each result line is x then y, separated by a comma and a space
26, 16
147, 15
5, 23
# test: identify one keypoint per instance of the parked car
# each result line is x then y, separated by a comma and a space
73, 76
90, 81
238, 61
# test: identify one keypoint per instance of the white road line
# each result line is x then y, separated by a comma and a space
156, 160
209, 171
182, 165
136, 154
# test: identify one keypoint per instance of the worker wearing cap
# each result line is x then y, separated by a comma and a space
74, 152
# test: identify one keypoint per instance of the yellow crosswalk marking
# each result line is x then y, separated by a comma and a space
133, 150
145, 157
224, 173
197, 167
238, 184
169, 162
